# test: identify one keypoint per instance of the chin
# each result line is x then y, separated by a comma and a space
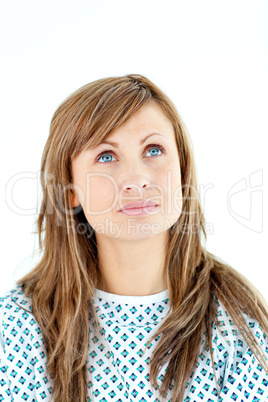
137, 232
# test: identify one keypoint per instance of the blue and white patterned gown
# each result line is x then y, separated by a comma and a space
118, 367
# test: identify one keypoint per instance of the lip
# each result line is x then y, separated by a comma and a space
139, 208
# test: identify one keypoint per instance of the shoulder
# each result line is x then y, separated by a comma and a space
244, 373
15, 295
16, 314
15, 301
230, 331
22, 350
231, 362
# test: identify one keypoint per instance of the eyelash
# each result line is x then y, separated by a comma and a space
158, 146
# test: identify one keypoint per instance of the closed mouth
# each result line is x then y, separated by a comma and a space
139, 205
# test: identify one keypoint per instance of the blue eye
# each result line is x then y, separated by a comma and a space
156, 148
105, 157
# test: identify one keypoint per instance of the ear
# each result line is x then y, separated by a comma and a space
75, 201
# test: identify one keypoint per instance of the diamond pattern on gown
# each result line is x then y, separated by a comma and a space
118, 367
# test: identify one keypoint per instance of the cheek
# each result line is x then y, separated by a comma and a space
174, 187
100, 193
177, 196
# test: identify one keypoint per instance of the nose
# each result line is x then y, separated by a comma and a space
133, 186
134, 178
135, 181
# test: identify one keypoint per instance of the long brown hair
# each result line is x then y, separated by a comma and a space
62, 284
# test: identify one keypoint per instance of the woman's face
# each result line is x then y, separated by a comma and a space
138, 162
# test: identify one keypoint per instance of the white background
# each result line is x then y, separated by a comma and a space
210, 57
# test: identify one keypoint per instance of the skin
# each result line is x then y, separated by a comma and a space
131, 249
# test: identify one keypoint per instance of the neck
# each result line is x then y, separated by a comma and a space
132, 268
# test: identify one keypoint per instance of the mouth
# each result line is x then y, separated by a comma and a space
139, 208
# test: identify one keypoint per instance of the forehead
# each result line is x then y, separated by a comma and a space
149, 119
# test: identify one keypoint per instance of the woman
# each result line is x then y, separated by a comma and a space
126, 304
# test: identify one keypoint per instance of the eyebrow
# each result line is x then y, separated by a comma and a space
115, 144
